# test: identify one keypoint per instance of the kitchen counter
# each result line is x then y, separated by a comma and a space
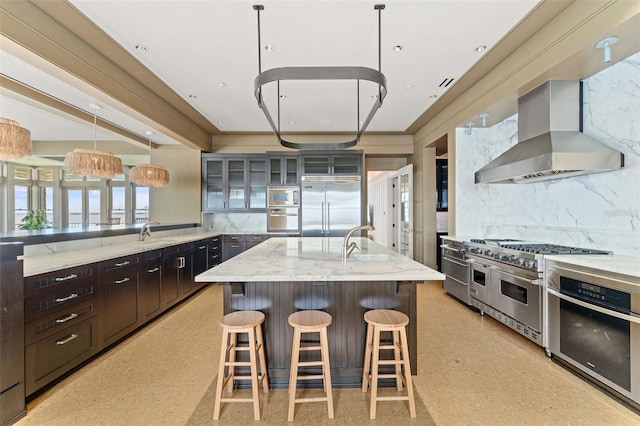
99, 249
626, 265
285, 275
318, 259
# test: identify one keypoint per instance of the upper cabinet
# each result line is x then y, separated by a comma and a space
234, 183
283, 169
331, 164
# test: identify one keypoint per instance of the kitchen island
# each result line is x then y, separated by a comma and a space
284, 275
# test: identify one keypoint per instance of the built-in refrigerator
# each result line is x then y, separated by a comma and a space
331, 205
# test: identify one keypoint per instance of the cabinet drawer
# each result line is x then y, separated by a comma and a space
43, 327
117, 264
51, 281
235, 238
69, 295
50, 358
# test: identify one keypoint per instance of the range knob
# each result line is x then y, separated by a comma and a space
518, 260
507, 257
531, 264
496, 256
488, 253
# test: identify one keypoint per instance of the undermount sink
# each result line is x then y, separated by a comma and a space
373, 257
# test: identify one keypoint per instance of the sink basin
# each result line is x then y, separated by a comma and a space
373, 257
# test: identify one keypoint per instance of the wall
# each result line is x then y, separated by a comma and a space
180, 200
600, 210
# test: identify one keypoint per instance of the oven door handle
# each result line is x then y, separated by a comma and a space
457, 262
596, 308
534, 282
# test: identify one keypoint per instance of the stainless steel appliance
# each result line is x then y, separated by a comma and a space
283, 209
456, 270
331, 205
594, 326
506, 281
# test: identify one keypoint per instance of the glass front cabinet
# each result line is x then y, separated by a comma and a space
232, 183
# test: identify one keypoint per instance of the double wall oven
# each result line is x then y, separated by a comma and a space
594, 326
283, 209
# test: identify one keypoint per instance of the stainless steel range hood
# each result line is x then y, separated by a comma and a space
550, 143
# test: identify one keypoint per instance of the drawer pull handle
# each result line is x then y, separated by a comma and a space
156, 269
67, 339
202, 247
67, 318
69, 297
125, 263
124, 280
68, 277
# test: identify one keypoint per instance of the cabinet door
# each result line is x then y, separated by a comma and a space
214, 251
275, 171
283, 170
236, 184
151, 287
290, 171
214, 196
257, 183
170, 264
346, 164
316, 165
119, 296
234, 245
185, 270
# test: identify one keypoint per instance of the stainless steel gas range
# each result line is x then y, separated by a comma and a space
506, 281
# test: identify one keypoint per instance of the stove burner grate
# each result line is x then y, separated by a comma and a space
551, 249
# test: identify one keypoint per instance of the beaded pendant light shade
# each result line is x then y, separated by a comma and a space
149, 174
15, 141
91, 162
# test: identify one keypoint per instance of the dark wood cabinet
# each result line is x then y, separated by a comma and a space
119, 297
232, 183
237, 243
215, 252
177, 277
12, 404
61, 323
283, 169
332, 164
150, 285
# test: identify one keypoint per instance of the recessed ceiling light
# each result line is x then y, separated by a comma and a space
408, 86
222, 84
149, 132
219, 121
397, 48
290, 121
141, 48
269, 48
192, 96
481, 48
283, 96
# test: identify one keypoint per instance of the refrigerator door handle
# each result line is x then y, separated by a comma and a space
322, 224
328, 218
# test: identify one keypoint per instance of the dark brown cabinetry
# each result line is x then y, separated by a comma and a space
119, 297
150, 288
61, 323
236, 244
215, 252
332, 164
232, 183
177, 276
12, 394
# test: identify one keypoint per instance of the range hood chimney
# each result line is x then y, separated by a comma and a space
550, 143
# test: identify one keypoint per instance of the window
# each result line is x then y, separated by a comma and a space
93, 203
141, 204
74, 207
118, 203
21, 203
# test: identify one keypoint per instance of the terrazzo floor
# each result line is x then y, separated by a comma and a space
471, 371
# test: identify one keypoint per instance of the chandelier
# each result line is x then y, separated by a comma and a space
15, 141
321, 73
91, 162
149, 174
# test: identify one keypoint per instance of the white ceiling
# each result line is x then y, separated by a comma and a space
195, 46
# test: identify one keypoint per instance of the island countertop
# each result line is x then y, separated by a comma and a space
318, 259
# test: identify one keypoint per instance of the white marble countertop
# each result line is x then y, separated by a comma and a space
626, 265
318, 259
99, 249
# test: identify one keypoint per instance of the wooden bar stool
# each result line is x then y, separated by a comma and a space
310, 322
249, 322
380, 320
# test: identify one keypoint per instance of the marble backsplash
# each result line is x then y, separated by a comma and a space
600, 210
235, 222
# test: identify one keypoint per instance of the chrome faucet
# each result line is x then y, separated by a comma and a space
347, 247
145, 230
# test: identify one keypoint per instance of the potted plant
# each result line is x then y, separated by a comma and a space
35, 219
